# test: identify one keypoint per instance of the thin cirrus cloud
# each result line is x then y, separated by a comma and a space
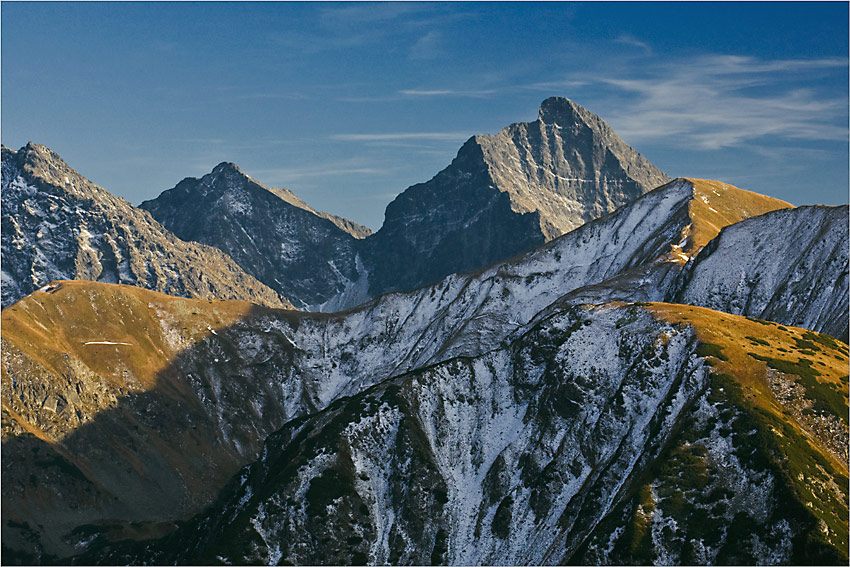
289, 174
429, 46
400, 136
631, 41
722, 101
447, 92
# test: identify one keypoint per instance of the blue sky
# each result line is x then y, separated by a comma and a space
347, 104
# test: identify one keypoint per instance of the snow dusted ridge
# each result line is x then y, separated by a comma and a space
528, 454
58, 225
516, 419
511, 457
307, 256
293, 364
788, 266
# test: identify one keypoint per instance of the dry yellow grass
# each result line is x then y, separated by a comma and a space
78, 315
70, 328
716, 205
735, 335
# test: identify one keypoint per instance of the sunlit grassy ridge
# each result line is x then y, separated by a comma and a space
769, 433
746, 348
75, 323
716, 205
124, 403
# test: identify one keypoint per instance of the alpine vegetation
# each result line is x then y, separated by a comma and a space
550, 353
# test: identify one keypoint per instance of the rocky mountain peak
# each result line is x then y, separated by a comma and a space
56, 224
40, 156
47, 171
560, 110
227, 168
271, 233
507, 193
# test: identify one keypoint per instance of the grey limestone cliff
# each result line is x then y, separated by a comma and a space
505, 194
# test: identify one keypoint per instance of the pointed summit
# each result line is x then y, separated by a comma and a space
569, 166
58, 225
227, 167
507, 193
559, 110
272, 234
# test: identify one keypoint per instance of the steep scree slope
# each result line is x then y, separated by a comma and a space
758, 471
600, 433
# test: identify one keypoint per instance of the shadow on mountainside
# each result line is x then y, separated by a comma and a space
147, 466
148, 459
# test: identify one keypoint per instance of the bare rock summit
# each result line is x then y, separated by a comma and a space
507, 193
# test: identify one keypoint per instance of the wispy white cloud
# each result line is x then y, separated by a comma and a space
448, 92
447, 136
270, 95
357, 14
553, 86
428, 46
357, 24
417, 92
720, 101
632, 41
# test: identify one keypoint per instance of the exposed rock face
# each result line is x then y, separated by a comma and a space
569, 165
789, 266
505, 194
601, 433
59, 225
351, 227
270, 233
501, 196
201, 385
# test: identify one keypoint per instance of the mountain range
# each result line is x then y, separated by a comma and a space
59, 225
550, 353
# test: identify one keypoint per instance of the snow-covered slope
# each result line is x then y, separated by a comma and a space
466, 314
182, 393
310, 257
506, 458
536, 453
56, 224
782, 264
288, 364
789, 266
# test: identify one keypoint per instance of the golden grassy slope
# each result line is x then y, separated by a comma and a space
745, 343
792, 386
131, 431
716, 205
64, 326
